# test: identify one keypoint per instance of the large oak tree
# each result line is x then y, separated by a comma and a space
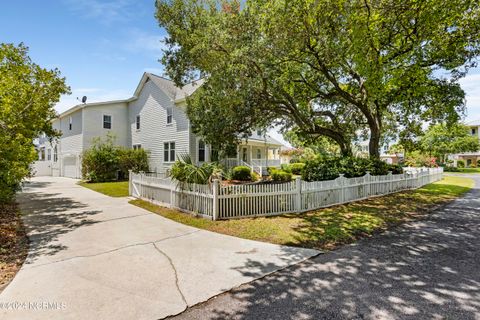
324, 67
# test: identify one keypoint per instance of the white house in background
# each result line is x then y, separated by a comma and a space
154, 119
469, 158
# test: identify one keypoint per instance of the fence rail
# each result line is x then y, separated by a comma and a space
227, 202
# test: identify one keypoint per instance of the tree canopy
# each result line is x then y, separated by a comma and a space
28, 94
324, 67
440, 140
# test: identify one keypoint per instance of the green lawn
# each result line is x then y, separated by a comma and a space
327, 228
469, 170
112, 189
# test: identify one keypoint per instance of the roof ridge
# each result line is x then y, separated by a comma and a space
167, 79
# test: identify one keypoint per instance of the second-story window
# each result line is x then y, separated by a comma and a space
169, 115
70, 123
107, 122
49, 154
137, 122
201, 151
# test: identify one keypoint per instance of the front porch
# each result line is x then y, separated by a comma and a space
257, 156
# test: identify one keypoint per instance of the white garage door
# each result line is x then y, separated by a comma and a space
70, 167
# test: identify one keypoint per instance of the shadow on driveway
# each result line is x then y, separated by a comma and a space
424, 270
49, 215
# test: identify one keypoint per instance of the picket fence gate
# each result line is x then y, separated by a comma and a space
249, 200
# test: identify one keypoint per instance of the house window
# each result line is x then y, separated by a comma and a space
137, 146
259, 154
169, 114
201, 151
259, 133
49, 154
474, 131
169, 152
70, 122
137, 121
41, 155
107, 122
55, 154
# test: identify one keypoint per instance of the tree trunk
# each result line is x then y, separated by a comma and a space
374, 144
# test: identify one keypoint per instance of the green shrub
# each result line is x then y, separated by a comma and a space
281, 176
271, 169
451, 169
350, 167
286, 167
296, 168
242, 173
130, 159
255, 176
100, 162
106, 162
185, 171
321, 169
460, 164
478, 163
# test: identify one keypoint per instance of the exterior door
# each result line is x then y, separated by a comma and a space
70, 167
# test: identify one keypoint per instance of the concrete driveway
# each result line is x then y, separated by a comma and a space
97, 257
428, 269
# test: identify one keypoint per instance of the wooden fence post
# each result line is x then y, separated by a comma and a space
341, 182
298, 189
367, 184
129, 182
215, 199
390, 180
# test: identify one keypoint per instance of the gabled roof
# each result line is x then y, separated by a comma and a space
168, 86
473, 123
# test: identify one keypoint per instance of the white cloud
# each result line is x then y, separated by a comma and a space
142, 42
103, 10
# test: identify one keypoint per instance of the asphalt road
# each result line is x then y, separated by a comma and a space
428, 269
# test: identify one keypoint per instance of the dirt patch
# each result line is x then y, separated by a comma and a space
13, 243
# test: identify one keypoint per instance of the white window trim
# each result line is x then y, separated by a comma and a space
169, 152
138, 122
166, 120
137, 146
103, 122
204, 151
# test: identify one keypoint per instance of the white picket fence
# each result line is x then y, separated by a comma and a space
249, 200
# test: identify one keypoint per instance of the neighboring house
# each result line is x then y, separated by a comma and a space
153, 119
362, 150
470, 158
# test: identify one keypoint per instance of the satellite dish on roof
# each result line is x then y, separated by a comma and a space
84, 99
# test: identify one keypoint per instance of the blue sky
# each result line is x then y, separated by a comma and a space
103, 47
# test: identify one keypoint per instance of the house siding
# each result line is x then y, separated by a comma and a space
93, 123
151, 105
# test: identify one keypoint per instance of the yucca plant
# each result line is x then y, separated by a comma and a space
185, 171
